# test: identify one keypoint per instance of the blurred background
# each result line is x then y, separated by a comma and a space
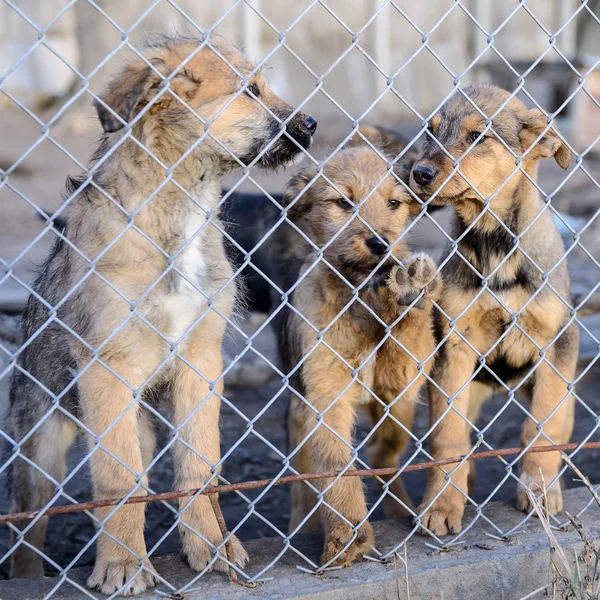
347, 47
336, 59
333, 58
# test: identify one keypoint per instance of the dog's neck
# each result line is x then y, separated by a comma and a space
130, 169
515, 206
488, 236
160, 202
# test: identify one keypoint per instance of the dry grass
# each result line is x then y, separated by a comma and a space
404, 561
576, 577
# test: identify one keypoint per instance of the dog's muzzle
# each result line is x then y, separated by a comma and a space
298, 135
302, 128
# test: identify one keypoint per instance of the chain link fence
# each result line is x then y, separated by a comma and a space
348, 64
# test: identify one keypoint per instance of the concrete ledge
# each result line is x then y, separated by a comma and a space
480, 568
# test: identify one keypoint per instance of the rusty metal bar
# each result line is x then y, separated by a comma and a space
251, 485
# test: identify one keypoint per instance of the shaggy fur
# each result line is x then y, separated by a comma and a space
115, 323
520, 321
254, 223
374, 332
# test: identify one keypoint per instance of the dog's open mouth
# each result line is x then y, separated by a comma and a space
367, 268
376, 273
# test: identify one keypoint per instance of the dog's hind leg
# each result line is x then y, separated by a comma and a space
35, 482
196, 453
385, 448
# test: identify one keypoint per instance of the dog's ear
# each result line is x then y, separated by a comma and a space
298, 207
550, 145
124, 94
384, 139
403, 166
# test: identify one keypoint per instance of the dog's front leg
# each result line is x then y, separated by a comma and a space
451, 372
111, 414
328, 423
196, 453
550, 397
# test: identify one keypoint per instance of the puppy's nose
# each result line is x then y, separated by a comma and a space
311, 124
424, 174
377, 246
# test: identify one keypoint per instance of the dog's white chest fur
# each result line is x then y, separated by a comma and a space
187, 296
191, 263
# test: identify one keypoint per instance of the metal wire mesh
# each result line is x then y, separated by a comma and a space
559, 49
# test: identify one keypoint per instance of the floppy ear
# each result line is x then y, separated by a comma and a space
403, 167
384, 139
298, 207
551, 144
124, 94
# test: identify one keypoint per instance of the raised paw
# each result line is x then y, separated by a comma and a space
338, 538
418, 275
199, 553
120, 576
552, 499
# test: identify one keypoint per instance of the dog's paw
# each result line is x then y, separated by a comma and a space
552, 499
443, 518
111, 577
199, 554
418, 275
338, 538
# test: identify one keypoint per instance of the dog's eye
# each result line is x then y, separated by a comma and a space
473, 137
430, 128
252, 90
343, 203
394, 203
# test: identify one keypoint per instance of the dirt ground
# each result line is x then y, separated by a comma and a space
258, 455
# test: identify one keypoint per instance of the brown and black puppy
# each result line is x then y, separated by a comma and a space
507, 293
135, 297
285, 241
360, 335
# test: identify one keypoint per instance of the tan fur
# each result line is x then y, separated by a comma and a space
387, 375
159, 285
485, 324
132, 265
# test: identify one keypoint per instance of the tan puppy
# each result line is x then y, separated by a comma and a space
348, 349
520, 322
159, 283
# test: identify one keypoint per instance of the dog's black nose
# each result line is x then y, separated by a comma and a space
377, 246
311, 124
424, 174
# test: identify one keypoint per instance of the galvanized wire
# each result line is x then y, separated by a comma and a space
580, 9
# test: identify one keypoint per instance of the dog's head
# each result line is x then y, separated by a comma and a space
390, 143
490, 160
360, 205
205, 86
